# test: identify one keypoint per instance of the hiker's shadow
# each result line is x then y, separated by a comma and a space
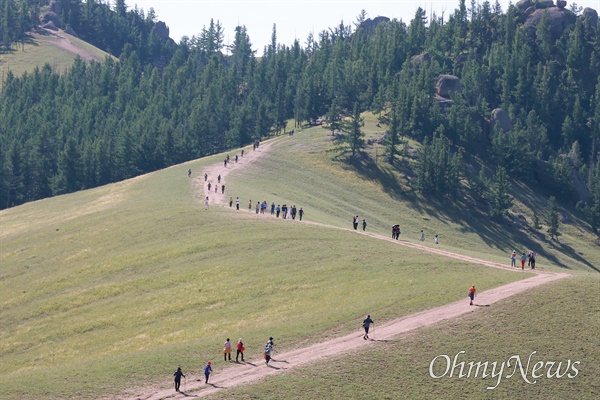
247, 362
481, 305
188, 395
215, 386
378, 340
280, 361
272, 366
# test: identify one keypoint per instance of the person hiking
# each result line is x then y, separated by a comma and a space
472, 291
533, 257
242, 152
189, 173
230, 201
422, 236
300, 213
236, 158
205, 177
513, 259
209, 186
222, 189
240, 350
437, 240
366, 325
272, 208
250, 205
355, 222
278, 210
237, 203
523, 258
219, 179
267, 355
257, 207
227, 350
178, 374
206, 203
364, 223
207, 371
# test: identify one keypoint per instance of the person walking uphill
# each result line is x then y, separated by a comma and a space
367, 324
178, 374
227, 350
513, 259
240, 350
472, 291
523, 258
207, 371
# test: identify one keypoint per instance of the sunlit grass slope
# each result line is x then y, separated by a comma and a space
48, 47
555, 323
298, 171
115, 287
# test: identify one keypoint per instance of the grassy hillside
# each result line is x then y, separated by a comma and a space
117, 286
53, 47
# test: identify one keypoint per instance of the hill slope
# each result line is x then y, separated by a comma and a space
128, 281
56, 48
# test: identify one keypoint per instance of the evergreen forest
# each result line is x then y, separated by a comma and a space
163, 103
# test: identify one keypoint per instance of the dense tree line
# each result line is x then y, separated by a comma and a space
17, 18
101, 123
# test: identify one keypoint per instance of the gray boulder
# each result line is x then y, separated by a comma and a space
51, 16
559, 19
523, 4
541, 4
369, 24
561, 3
500, 117
50, 25
447, 85
591, 15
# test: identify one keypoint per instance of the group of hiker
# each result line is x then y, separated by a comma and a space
285, 211
268, 350
530, 258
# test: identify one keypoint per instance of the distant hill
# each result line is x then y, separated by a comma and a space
56, 48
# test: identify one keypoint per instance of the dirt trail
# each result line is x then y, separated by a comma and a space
254, 370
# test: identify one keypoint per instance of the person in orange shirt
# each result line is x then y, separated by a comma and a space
472, 291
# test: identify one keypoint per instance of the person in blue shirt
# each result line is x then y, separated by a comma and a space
207, 371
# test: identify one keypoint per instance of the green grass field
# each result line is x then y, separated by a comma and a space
40, 49
115, 287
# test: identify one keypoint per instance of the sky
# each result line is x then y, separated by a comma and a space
294, 19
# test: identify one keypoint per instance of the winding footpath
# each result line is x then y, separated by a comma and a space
254, 370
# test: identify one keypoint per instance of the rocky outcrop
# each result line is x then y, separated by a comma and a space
369, 24
161, 30
448, 85
51, 16
50, 25
561, 3
500, 117
589, 15
70, 31
559, 19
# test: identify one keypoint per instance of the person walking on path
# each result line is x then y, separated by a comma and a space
272, 208
367, 324
513, 259
230, 201
219, 179
437, 240
355, 222
300, 213
189, 172
523, 258
240, 350
472, 291
205, 177
364, 223
422, 236
237, 203
533, 257
207, 371
209, 186
222, 189
257, 206
227, 350
206, 203
250, 205
178, 374
267, 355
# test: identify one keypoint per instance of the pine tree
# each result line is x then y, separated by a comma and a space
552, 219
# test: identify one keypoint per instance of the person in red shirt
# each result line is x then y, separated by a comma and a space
240, 350
472, 291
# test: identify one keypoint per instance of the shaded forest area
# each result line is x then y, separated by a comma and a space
164, 103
